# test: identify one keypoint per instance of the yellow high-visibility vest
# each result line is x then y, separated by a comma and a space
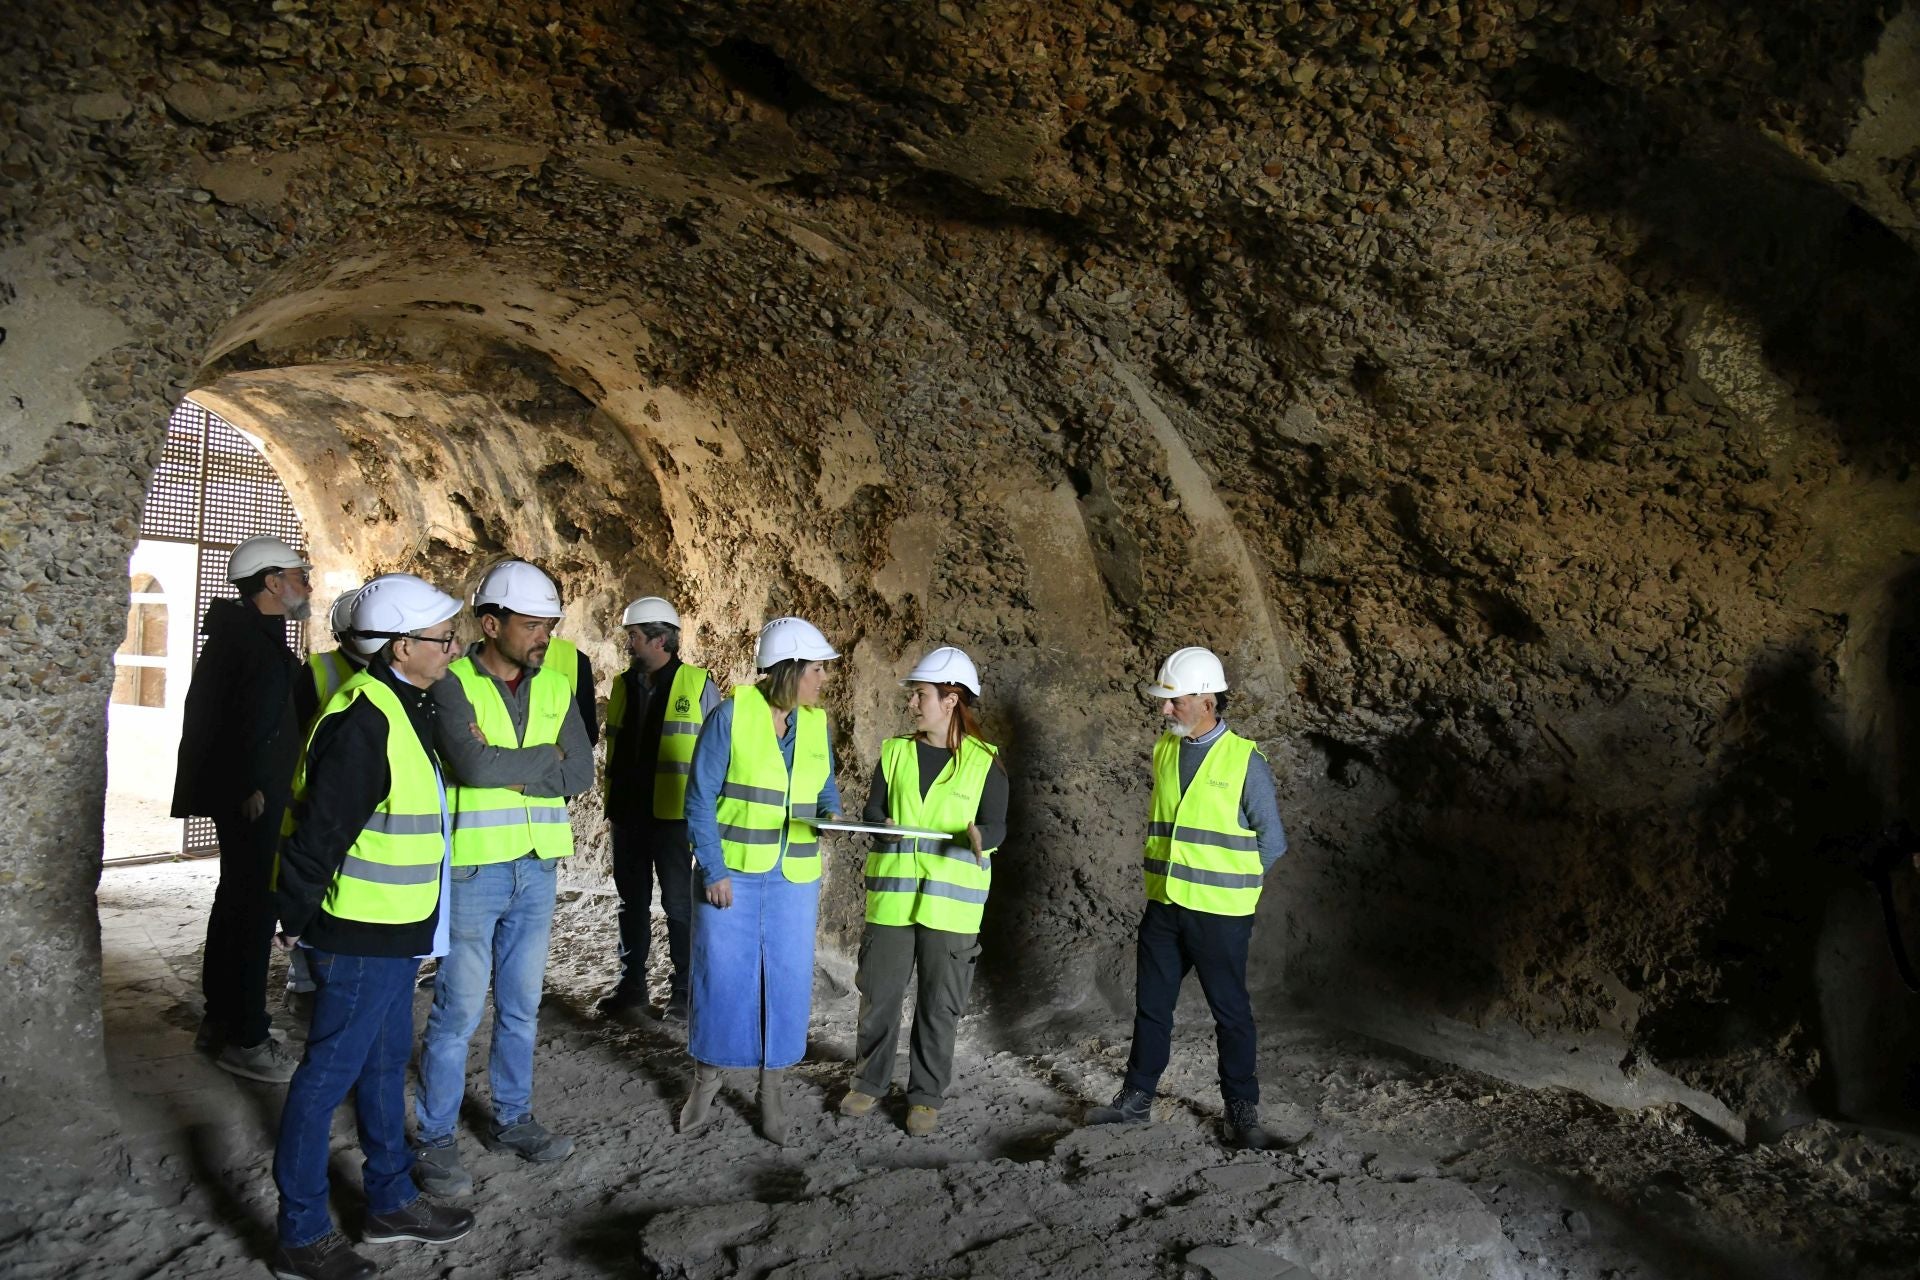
936, 883
679, 731
493, 824
391, 874
761, 799
1198, 855
329, 670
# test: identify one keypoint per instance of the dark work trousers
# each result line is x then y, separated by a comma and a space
642, 853
233, 967
1174, 939
890, 954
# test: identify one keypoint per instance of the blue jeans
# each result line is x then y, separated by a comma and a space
501, 919
1174, 939
359, 1043
752, 972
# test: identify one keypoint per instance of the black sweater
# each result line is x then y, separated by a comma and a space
347, 777
238, 733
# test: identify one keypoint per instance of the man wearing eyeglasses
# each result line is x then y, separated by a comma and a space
239, 743
510, 731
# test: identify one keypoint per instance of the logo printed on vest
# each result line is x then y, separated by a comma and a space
681, 706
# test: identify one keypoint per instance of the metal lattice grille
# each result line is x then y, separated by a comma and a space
214, 489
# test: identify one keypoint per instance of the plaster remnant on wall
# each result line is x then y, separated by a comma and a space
49, 339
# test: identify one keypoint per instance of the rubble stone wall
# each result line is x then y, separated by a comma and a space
1517, 392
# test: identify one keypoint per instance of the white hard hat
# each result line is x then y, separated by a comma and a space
649, 609
340, 616
946, 665
264, 552
785, 638
1188, 670
518, 587
395, 605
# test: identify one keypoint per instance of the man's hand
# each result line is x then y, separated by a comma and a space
473, 729
559, 751
285, 941
253, 806
973, 838
720, 893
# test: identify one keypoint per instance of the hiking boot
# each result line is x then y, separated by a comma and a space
269, 1061
530, 1140
676, 1010
328, 1258
1129, 1106
629, 1008
922, 1121
1243, 1127
857, 1103
437, 1169
699, 1105
422, 1220
773, 1106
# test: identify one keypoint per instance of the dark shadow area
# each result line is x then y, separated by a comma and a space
1726, 210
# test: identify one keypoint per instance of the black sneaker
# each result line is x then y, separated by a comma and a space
328, 1258
530, 1140
1129, 1106
423, 1220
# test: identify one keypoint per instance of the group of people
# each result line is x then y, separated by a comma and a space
395, 801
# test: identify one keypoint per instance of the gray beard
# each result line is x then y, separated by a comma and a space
299, 612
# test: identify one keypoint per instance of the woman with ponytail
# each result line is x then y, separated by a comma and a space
925, 897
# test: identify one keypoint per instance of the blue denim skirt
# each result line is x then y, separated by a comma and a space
751, 988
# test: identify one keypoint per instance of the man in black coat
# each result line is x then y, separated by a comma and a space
239, 744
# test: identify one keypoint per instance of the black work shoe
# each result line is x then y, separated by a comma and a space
1243, 1127
1129, 1106
530, 1140
628, 1008
676, 1010
423, 1220
328, 1258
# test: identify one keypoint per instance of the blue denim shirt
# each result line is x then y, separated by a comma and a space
710, 757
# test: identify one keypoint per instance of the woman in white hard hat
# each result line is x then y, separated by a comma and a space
925, 897
763, 765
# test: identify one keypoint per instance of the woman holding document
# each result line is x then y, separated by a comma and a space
925, 897
762, 767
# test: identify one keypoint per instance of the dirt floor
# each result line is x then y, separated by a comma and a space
1392, 1166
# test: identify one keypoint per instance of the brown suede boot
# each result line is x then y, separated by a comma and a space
773, 1106
706, 1083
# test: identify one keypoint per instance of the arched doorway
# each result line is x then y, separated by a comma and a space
213, 489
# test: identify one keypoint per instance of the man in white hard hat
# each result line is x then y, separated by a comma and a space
510, 733
1213, 830
327, 670
654, 714
361, 889
239, 743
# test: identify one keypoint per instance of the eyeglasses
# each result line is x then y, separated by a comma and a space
445, 642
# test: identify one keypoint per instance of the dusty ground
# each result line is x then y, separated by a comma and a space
1394, 1167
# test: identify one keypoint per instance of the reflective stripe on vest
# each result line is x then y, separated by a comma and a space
759, 798
1198, 855
935, 883
391, 873
329, 670
493, 824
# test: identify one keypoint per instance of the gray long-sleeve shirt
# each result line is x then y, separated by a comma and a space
540, 770
1259, 806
